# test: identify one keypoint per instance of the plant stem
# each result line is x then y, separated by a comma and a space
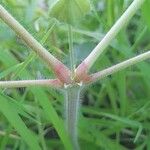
32, 55
70, 37
72, 103
52, 62
104, 73
48, 32
55, 83
121, 22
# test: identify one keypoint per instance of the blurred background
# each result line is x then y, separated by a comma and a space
115, 111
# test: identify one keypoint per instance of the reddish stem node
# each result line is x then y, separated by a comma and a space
62, 73
82, 73
56, 83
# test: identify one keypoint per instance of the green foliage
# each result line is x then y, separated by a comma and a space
145, 9
70, 11
11, 114
52, 116
115, 114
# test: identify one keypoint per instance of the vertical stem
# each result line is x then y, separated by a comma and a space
70, 39
71, 110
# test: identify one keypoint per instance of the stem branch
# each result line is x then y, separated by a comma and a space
121, 22
34, 44
106, 72
55, 83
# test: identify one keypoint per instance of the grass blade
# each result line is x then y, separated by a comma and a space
52, 116
14, 119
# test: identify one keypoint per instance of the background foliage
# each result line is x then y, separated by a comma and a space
115, 111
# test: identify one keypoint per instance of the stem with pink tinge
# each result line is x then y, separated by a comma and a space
35, 45
98, 50
106, 72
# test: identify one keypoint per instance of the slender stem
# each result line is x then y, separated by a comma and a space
55, 83
34, 44
121, 22
32, 55
71, 113
106, 72
139, 38
45, 37
72, 58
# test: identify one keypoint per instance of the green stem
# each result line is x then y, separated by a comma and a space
33, 55
72, 58
71, 113
111, 34
31, 42
120, 66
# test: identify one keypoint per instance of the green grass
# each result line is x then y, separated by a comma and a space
115, 111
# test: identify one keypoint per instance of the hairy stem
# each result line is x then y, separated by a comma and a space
55, 83
70, 37
32, 55
71, 113
121, 22
101, 74
34, 44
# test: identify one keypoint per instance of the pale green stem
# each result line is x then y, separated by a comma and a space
26, 83
26, 36
32, 42
72, 58
32, 55
106, 72
121, 22
45, 37
72, 103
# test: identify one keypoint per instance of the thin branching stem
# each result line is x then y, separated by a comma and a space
121, 22
70, 39
72, 89
106, 72
52, 62
55, 83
